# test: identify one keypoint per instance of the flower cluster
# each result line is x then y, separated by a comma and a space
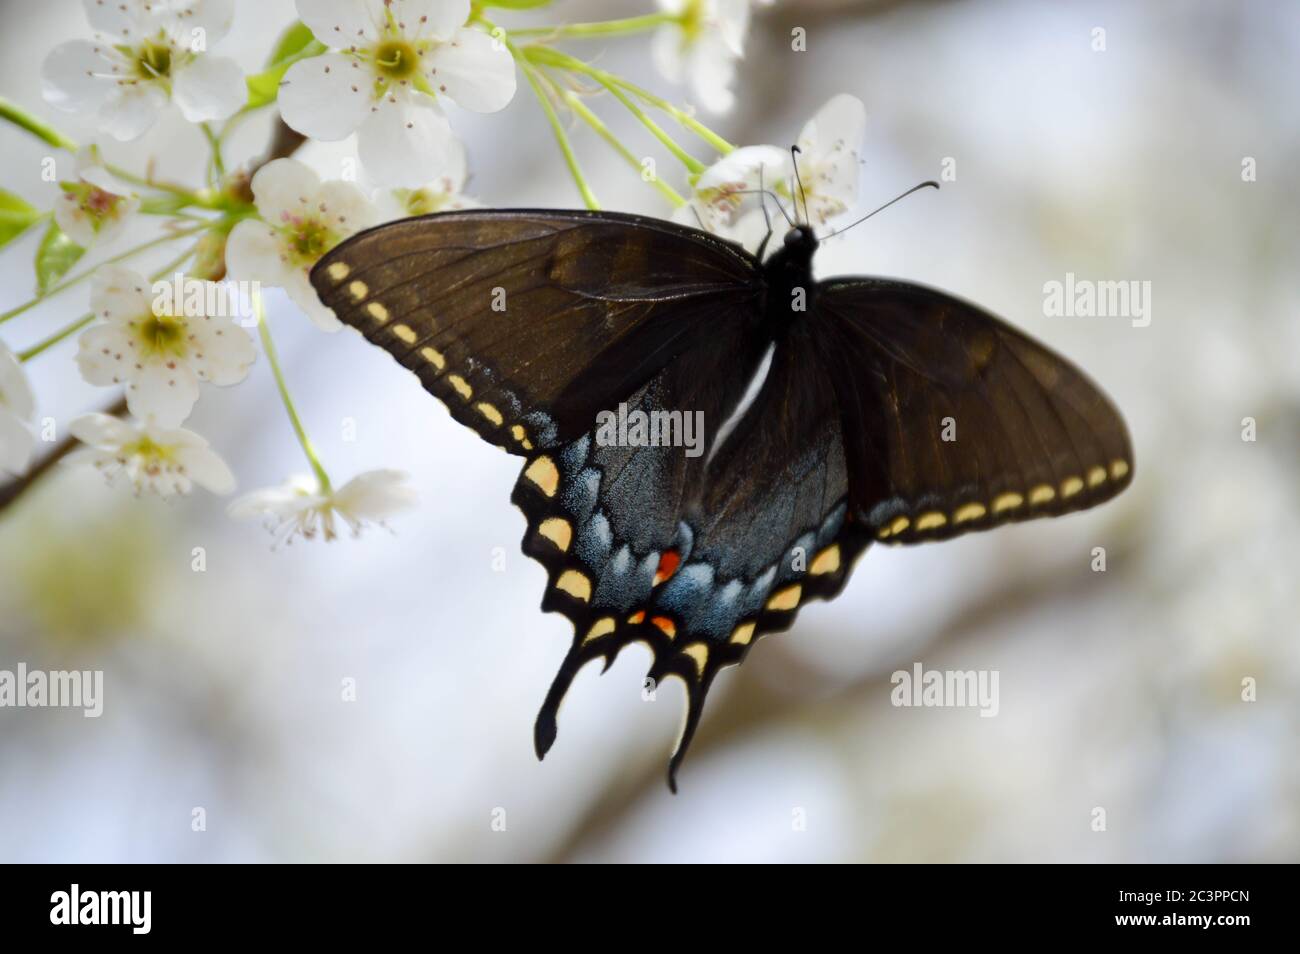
382, 73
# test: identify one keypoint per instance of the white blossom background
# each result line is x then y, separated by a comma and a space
1119, 690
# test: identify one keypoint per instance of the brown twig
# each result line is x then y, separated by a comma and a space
15, 488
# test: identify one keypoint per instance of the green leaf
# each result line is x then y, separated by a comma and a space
291, 41
16, 216
296, 43
56, 254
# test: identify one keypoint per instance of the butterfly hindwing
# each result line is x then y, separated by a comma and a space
958, 421
696, 556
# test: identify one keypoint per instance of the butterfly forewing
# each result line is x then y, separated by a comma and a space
955, 421
527, 323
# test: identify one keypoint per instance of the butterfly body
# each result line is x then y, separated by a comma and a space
788, 281
827, 409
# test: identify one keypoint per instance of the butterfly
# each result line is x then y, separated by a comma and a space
835, 414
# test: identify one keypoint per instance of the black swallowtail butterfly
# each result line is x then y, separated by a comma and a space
529, 323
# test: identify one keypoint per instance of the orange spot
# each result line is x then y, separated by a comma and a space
668, 564
637, 617
666, 625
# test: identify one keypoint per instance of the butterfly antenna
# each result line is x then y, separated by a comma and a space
698, 219
767, 219
794, 160
916, 188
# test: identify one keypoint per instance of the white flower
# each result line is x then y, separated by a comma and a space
301, 220
157, 460
17, 405
828, 157
146, 54
442, 195
162, 343
97, 206
702, 47
729, 187
299, 508
724, 199
391, 61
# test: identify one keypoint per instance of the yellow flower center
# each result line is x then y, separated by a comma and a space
162, 336
153, 60
396, 59
153, 452
309, 239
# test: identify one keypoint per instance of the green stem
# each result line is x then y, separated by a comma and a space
82, 276
544, 56
682, 117
561, 137
264, 332
214, 141
38, 128
68, 330
620, 27
145, 183
575, 103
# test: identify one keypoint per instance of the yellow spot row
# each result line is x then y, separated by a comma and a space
1041, 494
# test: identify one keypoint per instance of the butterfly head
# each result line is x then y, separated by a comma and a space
801, 239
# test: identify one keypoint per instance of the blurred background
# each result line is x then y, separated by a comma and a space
1119, 689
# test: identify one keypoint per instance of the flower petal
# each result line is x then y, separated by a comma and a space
298, 492
344, 207
161, 394
131, 110
206, 468
831, 140
73, 220
119, 20
668, 52
222, 351
104, 355
744, 167
16, 444
341, 23
712, 68
299, 289
253, 254
15, 392
326, 97
119, 294
405, 141
209, 87
282, 187
375, 495
77, 76
474, 71
213, 17
103, 431
439, 19
731, 18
